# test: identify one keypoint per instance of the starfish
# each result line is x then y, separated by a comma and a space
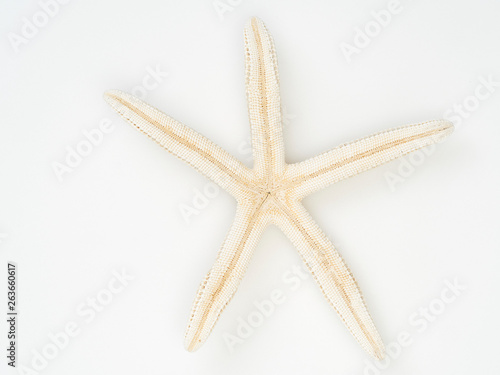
271, 191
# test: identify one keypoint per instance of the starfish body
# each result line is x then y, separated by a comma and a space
271, 191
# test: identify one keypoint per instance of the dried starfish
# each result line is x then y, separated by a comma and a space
271, 191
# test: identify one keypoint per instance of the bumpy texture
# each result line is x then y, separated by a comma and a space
271, 191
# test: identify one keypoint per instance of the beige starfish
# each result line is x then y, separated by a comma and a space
270, 192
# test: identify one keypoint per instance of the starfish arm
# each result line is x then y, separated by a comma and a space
223, 279
332, 275
352, 158
182, 141
262, 87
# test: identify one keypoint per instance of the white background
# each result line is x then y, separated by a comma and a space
119, 208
